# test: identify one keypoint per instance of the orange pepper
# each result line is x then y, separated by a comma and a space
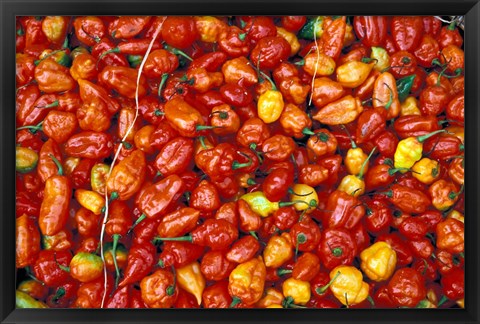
342, 111
247, 281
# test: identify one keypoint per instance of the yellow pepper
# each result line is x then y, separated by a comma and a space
409, 107
270, 106
354, 184
191, 279
353, 73
24, 300
274, 306
457, 215
409, 150
305, 197
318, 64
210, 28
247, 281
98, 177
25, 159
291, 38
260, 204
279, 250
461, 303
354, 160
378, 261
90, 200
348, 286
426, 170
296, 291
272, 297
381, 57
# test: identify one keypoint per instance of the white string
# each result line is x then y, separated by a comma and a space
316, 63
105, 218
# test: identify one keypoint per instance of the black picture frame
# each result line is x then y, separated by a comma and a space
10, 8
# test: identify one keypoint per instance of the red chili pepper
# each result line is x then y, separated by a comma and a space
179, 254
141, 259
407, 287
343, 210
372, 30
336, 247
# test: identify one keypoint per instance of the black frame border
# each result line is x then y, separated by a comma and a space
10, 8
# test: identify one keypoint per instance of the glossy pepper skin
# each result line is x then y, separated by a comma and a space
191, 279
27, 241
348, 286
247, 280
406, 287
378, 261
159, 289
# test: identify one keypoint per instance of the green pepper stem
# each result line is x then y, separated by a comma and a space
362, 169
311, 203
390, 100
162, 83
242, 36
203, 127
57, 163
138, 221
221, 114
322, 290
115, 237
274, 87
237, 165
112, 50
177, 52
354, 145
452, 26
187, 238
251, 182
290, 191
300, 63
235, 301
58, 294
370, 299
56, 103
33, 129
281, 272
442, 301
423, 138
392, 171
252, 233
36, 62
307, 131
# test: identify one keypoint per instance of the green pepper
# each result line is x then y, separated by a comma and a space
403, 87
23, 300
26, 159
307, 30
134, 60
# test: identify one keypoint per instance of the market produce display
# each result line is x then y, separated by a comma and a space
242, 162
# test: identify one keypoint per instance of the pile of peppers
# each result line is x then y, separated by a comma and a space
239, 161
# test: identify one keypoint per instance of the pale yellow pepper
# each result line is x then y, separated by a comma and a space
90, 200
348, 286
260, 204
354, 185
378, 261
456, 215
381, 57
426, 170
409, 107
191, 279
279, 250
318, 64
353, 73
270, 104
291, 38
272, 297
305, 197
410, 150
297, 291
210, 28
98, 177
